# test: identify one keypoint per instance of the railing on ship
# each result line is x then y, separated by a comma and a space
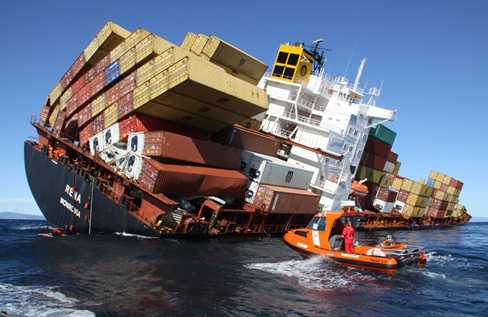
300, 118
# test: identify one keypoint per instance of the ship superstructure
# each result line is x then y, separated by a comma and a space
321, 112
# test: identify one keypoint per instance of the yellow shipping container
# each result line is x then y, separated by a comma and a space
188, 40
54, 115
110, 115
407, 184
440, 195
65, 97
397, 168
451, 190
233, 59
416, 188
199, 44
437, 185
107, 39
131, 41
145, 72
127, 61
427, 191
55, 94
98, 105
408, 211
386, 180
420, 212
142, 95
397, 183
446, 180
433, 175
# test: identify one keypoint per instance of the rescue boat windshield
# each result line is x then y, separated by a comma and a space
317, 223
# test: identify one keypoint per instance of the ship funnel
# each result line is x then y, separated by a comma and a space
359, 73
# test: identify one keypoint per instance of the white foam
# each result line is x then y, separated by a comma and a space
30, 227
434, 274
133, 235
315, 273
38, 301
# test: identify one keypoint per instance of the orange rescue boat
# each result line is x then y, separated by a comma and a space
323, 237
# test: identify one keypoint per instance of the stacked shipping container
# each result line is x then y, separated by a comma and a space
445, 196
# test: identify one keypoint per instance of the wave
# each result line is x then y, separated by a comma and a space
30, 227
314, 273
38, 301
133, 235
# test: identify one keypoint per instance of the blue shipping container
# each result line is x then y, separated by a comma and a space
112, 72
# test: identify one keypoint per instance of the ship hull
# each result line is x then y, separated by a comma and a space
66, 196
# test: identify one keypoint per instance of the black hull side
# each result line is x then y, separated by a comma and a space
64, 198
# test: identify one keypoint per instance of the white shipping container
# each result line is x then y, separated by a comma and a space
262, 169
135, 142
389, 167
111, 135
399, 205
96, 143
133, 166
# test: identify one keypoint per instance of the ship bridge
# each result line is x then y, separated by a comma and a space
325, 112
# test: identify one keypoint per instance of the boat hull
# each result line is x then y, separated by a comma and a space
65, 196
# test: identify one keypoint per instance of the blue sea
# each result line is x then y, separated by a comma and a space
127, 275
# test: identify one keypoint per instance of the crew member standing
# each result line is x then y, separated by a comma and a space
348, 234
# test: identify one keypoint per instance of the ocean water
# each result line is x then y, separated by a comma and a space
129, 275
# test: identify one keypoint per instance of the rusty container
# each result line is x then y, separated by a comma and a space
184, 180
392, 157
84, 115
247, 139
373, 161
436, 213
377, 147
167, 145
86, 133
142, 123
125, 105
283, 200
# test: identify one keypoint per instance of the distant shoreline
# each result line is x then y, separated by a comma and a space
7, 215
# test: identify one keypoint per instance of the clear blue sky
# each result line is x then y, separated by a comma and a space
432, 56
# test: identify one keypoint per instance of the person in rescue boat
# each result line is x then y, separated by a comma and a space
348, 233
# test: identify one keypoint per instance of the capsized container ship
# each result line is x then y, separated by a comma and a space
145, 136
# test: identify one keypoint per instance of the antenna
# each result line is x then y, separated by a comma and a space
317, 53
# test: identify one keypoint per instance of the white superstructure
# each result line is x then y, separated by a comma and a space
326, 113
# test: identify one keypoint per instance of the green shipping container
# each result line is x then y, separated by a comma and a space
383, 133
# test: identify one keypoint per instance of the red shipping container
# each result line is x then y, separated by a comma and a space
167, 145
439, 204
435, 213
377, 147
125, 105
183, 180
86, 133
143, 123
98, 123
73, 71
392, 157
84, 115
98, 83
127, 84
112, 94
373, 161
459, 185
102, 64
283, 200
386, 195
58, 125
248, 139
78, 84
44, 113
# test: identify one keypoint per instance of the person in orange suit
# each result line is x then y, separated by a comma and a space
348, 233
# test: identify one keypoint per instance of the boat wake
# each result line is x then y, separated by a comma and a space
38, 301
133, 235
314, 273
